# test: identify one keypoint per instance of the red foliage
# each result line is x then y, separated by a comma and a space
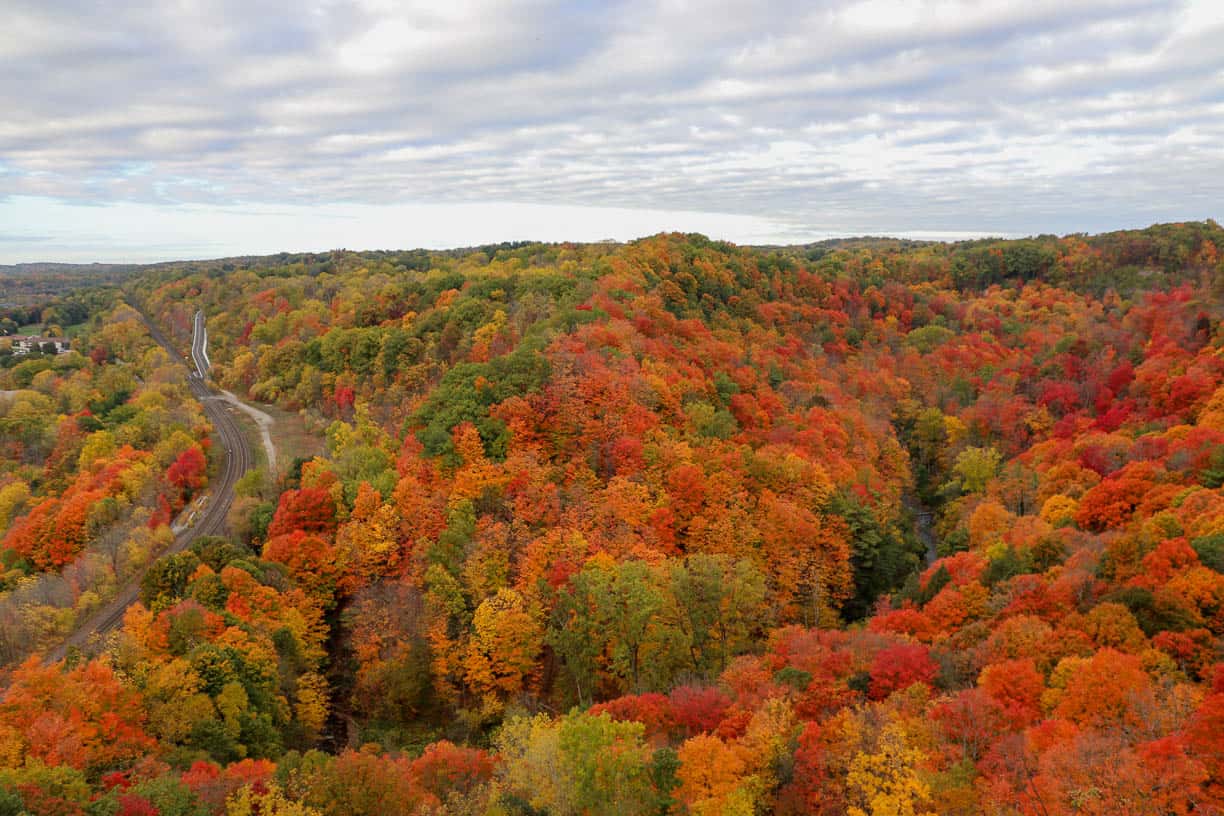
213, 785
188, 472
1112, 503
310, 509
446, 768
116, 779
652, 709
1016, 686
697, 710
164, 514
970, 722
44, 803
84, 717
1205, 738
311, 559
133, 805
345, 397
1193, 650
898, 667
806, 789
1110, 688
904, 621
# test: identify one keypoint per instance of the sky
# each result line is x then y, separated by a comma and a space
193, 129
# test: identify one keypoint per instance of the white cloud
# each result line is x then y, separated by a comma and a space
122, 232
874, 116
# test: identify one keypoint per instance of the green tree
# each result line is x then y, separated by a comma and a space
721, 606
975, 467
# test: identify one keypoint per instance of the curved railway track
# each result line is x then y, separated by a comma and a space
235, 461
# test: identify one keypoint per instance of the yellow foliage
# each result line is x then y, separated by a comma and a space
99, 445
272, 802
136, 622
175, 701
12, 747
769, 738
232, 701
1059, 510
714, 776
988, 523
12, 496
886, 782
957, 431
311, 707
1039, 421
532, 750
505, 642
1212, 415
368, 543
169, 448
1063, 672
477, 473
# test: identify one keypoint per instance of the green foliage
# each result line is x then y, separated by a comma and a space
11, 803
218, 551
466, 393
721, 606
358, 454
62, 781
1154, 614
211, 737
711, 422
924, 433
709, 433
1212, 476
171, 797
797, 679
581, 764
1008, 564
663, 775
975, 467
251, 483
166, 580
938, 580
1210, 550
881, 558
261, 517
927, 338
613, 606
609, 765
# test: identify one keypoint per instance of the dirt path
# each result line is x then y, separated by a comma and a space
199, 355
264, 422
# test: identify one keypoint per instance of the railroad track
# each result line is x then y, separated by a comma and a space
236, 461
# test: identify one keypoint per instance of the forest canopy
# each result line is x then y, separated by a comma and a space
861, 527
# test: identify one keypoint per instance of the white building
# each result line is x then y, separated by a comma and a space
24, 344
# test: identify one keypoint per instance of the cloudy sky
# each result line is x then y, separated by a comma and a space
144, 131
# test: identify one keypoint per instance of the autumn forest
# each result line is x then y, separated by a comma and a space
869, 527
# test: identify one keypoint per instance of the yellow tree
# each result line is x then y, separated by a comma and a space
368, 543
505, 641
270, 801
175, 700
311, 706
12, 496
532, 764
714, 778
769, 740
886, 782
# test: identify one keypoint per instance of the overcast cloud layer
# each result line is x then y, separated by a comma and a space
208, 128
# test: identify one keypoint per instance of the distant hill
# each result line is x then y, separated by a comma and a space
24, 283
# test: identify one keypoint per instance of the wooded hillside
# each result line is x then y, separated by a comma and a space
861, 527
